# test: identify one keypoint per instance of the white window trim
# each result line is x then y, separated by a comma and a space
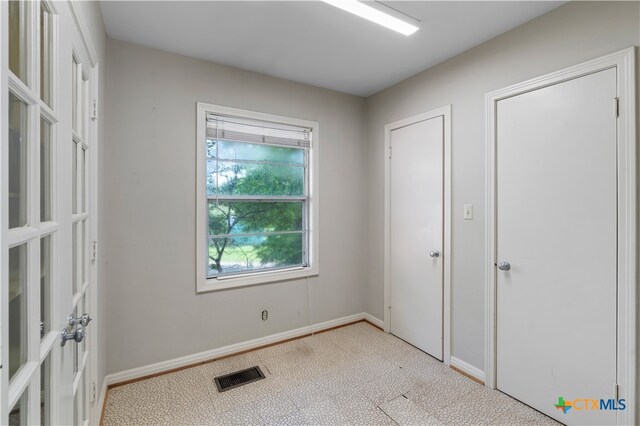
205, 284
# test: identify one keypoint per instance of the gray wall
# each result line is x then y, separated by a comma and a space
150, 156
93, 17
149, 185
573, 33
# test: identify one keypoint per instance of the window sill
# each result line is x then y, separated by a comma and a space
256, 278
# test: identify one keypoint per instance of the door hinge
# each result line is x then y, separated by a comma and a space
389, 152
94, 110
616, 391
94, 391
616, 107
94, 251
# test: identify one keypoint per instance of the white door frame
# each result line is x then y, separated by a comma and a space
624, 61
444, 112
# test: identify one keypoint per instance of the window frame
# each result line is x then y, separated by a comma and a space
207, 284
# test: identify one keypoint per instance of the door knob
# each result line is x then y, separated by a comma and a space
80, 334
77, 335
504, 266
84, 320
434, 253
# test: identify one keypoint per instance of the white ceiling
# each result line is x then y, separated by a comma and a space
312, 42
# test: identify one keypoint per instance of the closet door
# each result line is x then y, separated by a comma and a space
556, 246
416, 234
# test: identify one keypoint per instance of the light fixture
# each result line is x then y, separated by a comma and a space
374, 15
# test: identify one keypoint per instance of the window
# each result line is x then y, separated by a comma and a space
257, 205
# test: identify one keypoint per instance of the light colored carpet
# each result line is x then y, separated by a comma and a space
352, 375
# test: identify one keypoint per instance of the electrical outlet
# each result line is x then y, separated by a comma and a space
265, 315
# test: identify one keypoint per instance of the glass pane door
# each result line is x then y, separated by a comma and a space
45, 166
31, 226
80, 247
46, 162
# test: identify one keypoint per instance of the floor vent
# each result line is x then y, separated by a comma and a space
239, 378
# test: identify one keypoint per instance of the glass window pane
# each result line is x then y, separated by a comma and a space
17, 308
252, 169
75, 408
18, 39
75, 349
74, 95
45, 170
83, 177
234, 178
45, 391
79, 347
227, 150
17, 162
74, 180
245, 254
83, 394
18, 414
74, 258
84, 92
45, 286
46, 47
83, 246
250, 217
85, 308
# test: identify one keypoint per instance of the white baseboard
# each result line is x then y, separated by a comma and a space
467, 368
160, 367
373, 320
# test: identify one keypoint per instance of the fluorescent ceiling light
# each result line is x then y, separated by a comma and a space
374, 15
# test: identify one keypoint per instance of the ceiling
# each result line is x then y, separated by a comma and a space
315, 43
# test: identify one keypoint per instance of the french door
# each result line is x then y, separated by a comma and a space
46, 219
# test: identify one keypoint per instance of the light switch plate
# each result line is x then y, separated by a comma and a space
468, 212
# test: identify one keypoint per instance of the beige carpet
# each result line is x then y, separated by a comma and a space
351, 375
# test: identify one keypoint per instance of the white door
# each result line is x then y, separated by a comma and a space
416, 234
556, 227
45, 214
80, 227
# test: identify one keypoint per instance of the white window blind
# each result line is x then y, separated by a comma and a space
254, 131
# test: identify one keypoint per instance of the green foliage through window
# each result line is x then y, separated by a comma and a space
257, 206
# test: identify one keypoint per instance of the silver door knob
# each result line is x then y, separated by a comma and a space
84, 320
80, 334
504, 266
434, 253
77, 335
